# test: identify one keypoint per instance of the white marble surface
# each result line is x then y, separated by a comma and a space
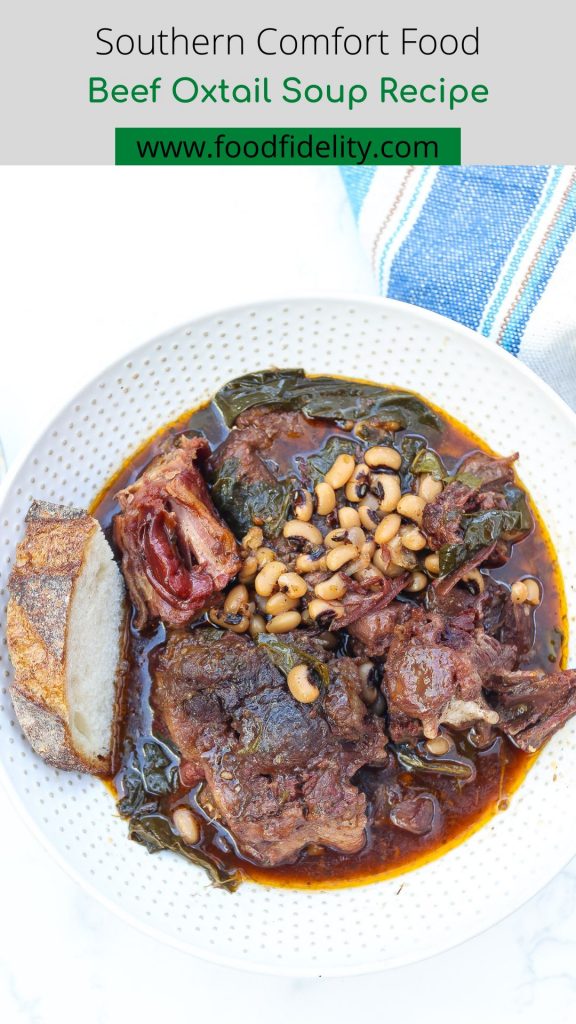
93, 261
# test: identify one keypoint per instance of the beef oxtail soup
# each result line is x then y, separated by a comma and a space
346, 635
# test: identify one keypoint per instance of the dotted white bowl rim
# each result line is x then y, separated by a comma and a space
278, 931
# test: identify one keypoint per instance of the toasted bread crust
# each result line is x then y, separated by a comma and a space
49, 560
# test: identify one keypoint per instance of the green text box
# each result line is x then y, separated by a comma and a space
358, 146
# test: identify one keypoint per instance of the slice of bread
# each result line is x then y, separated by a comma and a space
66, 630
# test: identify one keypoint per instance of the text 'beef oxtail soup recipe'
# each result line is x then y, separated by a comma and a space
311, 634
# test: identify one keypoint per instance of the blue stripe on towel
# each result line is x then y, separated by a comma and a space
559, 236
451, 260
392, 238
519, 252
357, 182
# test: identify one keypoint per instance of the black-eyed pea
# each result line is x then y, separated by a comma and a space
324, 612
338, 557
314, 561
381, 560
358, 483
325, 498
440, 745
304, 533
292, 584
348, 517
475, 576
356, 536
417, 582
388, 528
257, 625
284, 622
432, 564
236, 599
369, 517
519, 592
187, 825
278, 603
331, 589
369, 500
369, 691
302, 505
249, 569
253, 539
411, 506
369, 575
340, 471
268, 577
300, 685
428, 487
336, 537
388, 490
533, 595
368, 549
413, 538
401, 555
383, 456
264, 555
358, 565
235, 622
393, 570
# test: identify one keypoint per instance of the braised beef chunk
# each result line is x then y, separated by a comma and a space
176, 551
415, 814
490, 609
277, 771
442, 518
253, 440
478, 486
532, 706
372, 633
252, 473
517, 627
469, 606
489, 471
434, 674
362, 601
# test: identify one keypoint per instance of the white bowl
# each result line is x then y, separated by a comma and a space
284, 931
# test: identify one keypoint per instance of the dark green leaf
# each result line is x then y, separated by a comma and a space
154, 832
451, 557
427, 461
517, 499
324, 397
481, 529
243, 501
134, 793
462, 477
410, 445
410, 759
286, 656
159, 772
151, 771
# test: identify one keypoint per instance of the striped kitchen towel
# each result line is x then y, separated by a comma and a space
490, 246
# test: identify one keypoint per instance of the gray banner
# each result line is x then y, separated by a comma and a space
525, 61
